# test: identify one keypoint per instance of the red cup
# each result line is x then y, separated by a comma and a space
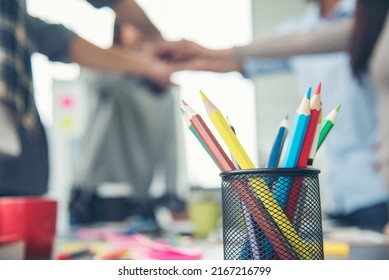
11, 213
33, 219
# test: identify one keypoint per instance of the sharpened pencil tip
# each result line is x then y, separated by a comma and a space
286, 116
182, 110
203, 95
338, 107
318, 89
183, 102
309, 93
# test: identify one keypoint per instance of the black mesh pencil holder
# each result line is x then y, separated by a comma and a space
272, 214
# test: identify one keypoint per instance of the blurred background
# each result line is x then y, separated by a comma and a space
63, 100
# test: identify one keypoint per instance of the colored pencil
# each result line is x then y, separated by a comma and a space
271, 207
297, 184
252, 245
227, 134
299, 128
209, 140
315, 108
279, 216
312, 153
280, 235
264, 213
293, 197
191, 128
257, 210
276, 150
327, 125
296, 139
258, 184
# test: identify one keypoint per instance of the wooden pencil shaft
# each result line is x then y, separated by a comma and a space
312, 153
212, 144
293, 198
327, 125
296, 140
276, 150
308, 139
325, 130
298, 130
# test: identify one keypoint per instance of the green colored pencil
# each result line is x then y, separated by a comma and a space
327, 125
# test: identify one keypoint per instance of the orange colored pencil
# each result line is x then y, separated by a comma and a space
209, 140
315, 108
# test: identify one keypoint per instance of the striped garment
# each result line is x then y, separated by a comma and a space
16, 87
26, 174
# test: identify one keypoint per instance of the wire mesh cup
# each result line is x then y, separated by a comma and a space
272, 214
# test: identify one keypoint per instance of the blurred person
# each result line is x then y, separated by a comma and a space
356, 192
130, 137
21, 35
128, 11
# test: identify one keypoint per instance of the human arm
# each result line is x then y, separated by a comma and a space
248, 67
60, 44
120, 60
270, 54
333, 37
252, 67
129, 11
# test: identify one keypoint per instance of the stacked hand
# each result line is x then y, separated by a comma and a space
163, 58
193, 56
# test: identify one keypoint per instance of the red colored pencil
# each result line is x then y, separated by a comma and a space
315, 107
209, 140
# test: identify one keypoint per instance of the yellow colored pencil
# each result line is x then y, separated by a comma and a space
227, 134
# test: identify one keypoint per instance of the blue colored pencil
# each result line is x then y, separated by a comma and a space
292, 155
299, 128
276, 150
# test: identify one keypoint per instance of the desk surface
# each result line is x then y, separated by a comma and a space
339, 244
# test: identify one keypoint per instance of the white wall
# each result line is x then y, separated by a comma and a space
276, 94
216, 24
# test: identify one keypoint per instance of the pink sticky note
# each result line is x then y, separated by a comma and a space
67, 101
